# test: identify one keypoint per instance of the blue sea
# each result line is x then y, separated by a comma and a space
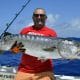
60, 66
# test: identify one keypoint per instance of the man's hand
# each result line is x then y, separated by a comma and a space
17, 47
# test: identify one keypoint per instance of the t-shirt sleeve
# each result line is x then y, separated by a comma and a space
53, 33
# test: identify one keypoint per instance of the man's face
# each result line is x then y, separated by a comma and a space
39, 18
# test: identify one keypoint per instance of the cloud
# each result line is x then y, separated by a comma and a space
31, 23
75, 23
70, 29
52, 19
64, 29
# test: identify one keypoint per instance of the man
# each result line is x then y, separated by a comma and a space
32, 68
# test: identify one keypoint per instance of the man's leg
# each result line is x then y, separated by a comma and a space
35, 76
23, 76
45, 76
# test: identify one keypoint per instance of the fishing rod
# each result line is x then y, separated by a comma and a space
9, 24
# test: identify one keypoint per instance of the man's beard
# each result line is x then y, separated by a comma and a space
39, 22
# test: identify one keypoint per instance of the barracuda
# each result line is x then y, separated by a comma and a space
43, 47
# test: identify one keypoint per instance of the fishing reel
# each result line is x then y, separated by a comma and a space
5, 36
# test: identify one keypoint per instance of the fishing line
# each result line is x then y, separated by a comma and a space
9, 24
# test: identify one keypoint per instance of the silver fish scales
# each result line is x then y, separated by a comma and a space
45, 47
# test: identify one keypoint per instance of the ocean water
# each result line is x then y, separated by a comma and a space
60, 66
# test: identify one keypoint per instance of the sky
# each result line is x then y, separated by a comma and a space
63, 15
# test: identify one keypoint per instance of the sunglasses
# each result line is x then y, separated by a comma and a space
37, 15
